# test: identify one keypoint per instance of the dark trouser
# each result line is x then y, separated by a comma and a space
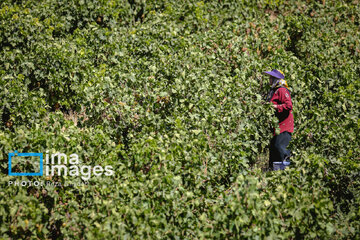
278, 150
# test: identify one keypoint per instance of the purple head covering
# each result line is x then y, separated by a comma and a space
276, 73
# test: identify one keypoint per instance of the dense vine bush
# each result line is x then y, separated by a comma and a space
170, 94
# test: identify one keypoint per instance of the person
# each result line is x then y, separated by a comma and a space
280, 97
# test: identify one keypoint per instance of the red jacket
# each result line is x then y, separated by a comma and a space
282, 99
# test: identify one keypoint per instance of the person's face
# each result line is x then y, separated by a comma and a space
271, 80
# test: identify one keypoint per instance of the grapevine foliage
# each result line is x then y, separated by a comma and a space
170, 94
